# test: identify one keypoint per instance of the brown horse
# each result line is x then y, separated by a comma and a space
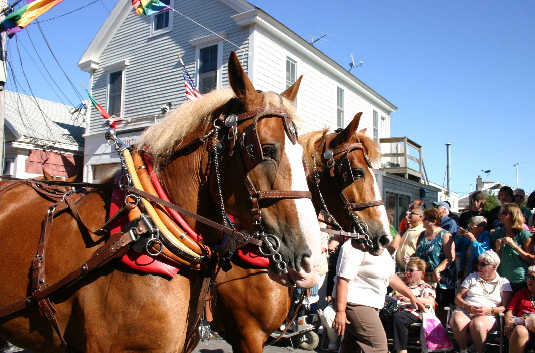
115, 309
250, 306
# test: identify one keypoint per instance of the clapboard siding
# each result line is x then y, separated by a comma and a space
316, 101
153, 76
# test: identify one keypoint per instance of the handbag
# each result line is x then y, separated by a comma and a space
433, 335
389, 308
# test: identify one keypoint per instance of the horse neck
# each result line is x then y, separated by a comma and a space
187, 183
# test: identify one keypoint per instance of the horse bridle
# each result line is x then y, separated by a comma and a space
342, 169
225, 134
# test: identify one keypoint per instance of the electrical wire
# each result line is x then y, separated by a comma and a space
57, 61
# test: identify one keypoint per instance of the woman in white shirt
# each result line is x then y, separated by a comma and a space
360, 288
482, 296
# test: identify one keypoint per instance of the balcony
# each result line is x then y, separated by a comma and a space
402, 156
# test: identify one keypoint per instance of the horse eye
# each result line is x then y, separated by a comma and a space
268, 152
358, 172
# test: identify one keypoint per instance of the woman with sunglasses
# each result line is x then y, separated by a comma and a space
514, 245
520, 338
482, 296
401, 320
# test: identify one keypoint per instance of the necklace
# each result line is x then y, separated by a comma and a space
485, 291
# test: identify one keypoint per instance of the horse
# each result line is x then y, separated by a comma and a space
232, 150
342, 182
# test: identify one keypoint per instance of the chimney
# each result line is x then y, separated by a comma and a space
479, 183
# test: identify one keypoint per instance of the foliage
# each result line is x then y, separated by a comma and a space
492, 201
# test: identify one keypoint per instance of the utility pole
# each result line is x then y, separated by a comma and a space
516, 165
3, 78
448, 165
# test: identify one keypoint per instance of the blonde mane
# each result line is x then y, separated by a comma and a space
309, 139
167, 134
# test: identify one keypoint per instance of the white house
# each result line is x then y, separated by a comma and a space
41, 134
135, 73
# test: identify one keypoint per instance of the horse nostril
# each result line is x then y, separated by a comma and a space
385, 239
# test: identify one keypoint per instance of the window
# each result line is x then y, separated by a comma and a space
376, 126
162, 21
340, 107
208, 68
115, 88
291, 72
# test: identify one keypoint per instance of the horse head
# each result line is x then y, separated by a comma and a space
244, 160
340, 173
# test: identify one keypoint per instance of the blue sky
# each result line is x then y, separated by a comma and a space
460, 72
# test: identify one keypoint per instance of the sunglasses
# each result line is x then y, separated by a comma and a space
531, 278
505, 213
482, 264
412, 270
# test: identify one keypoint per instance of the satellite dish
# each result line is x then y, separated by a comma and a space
352, 63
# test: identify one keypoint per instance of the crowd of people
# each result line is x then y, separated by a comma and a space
479, 264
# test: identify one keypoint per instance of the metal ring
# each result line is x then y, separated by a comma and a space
136, 198
155, 241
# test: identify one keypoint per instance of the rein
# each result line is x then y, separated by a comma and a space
342, 169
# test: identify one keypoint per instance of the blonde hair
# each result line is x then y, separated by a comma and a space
516, 213
419, 263
167, 134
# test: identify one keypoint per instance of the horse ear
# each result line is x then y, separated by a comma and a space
71, 179
241, 85
363, 131
349, 131
47, 175
291, 92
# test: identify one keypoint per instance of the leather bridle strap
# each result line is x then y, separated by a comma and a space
227, 230
359, 206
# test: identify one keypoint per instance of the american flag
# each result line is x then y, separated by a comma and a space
192, 92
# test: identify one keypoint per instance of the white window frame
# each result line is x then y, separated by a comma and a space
376, 126
292, 78
153, 17
340, 107
109, 69
205, 44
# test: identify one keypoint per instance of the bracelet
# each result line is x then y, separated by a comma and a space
492, 310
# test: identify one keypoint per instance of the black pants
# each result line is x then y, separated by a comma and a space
401, 320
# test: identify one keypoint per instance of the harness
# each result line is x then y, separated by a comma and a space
149, 227
345, 176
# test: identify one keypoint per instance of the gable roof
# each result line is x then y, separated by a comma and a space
41, 120
247, 14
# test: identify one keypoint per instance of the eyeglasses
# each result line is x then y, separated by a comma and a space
412, 270
519, 196
412, 213
505, 213
531, 278
482, 264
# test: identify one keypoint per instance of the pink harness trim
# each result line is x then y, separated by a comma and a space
161, 194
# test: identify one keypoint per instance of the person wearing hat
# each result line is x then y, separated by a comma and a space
447, 222
475, 208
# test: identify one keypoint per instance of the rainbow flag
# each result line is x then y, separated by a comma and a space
149, 7
22, 17
105, 115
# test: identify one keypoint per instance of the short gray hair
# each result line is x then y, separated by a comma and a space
479, 221
531, 268
492, 258
419, 209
